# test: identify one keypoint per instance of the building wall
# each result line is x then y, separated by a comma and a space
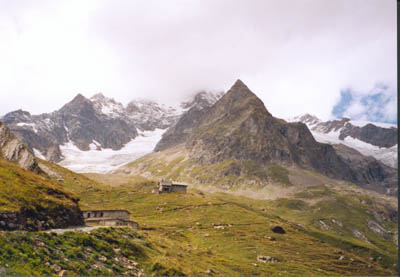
106, 214
114, 222
178, 188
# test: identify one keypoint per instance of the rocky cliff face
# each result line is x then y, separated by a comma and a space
11, 149
377, 134
27, 219
84, 126
239, 127
369, 172
381, 137
78, 121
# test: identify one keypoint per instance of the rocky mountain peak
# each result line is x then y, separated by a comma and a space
239, 83
100, 98
78, 105
17, 116
307, 119
146, 107
79, 98
107, 106
240, 88
202, 100
239, 100
238, 127
99, 95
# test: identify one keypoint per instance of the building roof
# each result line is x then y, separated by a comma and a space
179, 184
168, 184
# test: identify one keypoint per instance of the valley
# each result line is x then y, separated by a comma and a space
220, 233
199, 138
265, 196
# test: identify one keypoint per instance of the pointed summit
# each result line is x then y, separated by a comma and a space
239, 83
238, 99
79, 97
78, 104
240, 90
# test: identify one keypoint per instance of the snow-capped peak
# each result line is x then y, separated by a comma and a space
98, 96
107, 106
370, 138
308, 119
201, 99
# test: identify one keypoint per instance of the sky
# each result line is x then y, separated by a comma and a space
330, 58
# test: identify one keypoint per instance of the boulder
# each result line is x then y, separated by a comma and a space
278, 230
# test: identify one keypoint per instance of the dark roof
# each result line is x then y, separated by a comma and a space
106, 211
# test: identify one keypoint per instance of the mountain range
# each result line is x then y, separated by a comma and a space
97, 123
369, 138
266, 196
238, 136
99, 134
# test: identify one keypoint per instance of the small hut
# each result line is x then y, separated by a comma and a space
109, 217
166, 187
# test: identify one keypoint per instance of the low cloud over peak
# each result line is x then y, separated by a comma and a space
297, 56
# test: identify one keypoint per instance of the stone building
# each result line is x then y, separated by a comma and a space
165, 187
109, 217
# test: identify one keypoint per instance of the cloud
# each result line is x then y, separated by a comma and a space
297, 56
377, 105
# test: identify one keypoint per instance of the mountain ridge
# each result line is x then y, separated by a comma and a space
99, 121
239, 127
372, 139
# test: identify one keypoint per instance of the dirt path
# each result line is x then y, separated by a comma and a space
85, 229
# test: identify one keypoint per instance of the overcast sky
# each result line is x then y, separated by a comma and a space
297, 55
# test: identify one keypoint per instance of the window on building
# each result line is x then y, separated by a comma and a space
88, 215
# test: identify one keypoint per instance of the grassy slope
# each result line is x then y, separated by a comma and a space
76, 183
21, 188
178, 233
101, 252
180, 227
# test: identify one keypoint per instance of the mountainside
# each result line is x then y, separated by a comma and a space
29, 201
29, 198
375, 139
179, 132
238, 134
98, 127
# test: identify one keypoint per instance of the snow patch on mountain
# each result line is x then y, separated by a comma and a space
106, 160
38, 154
329, 132
148, 115
107, 106
32, 125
